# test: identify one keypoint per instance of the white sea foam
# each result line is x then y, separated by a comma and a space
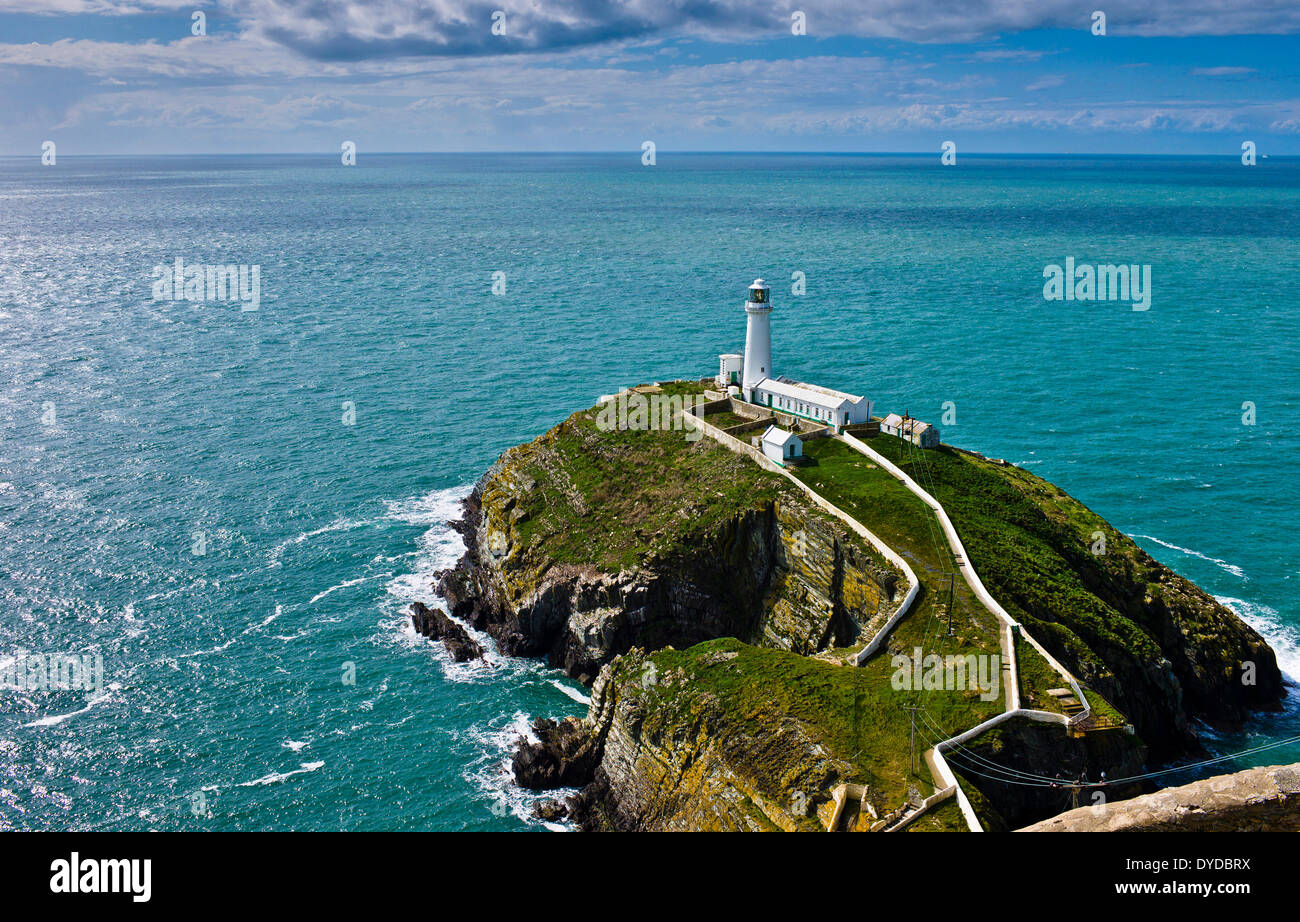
336, 525
1284, 638
277, 777
571, 692
492, 776
55, 719
439, 547
346, 584
1231, 568
279, 610
294, 745
220, 648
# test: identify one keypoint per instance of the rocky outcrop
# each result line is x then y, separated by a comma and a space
778, 573
434, 624
1255, 800
588, 548
671, 760
565, 755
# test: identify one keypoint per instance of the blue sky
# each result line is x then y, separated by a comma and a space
1169, 76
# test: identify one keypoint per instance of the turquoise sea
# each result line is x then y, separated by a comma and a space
131, 428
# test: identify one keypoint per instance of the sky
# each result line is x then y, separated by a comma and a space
1013, 76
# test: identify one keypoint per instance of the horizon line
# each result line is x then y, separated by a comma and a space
636, 152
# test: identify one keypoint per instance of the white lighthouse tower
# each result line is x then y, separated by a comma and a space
758, 338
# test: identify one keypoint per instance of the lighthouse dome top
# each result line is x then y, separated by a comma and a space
758, 283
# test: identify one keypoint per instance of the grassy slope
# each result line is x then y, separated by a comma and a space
1018, 550
638, 493
854, 713
643, 493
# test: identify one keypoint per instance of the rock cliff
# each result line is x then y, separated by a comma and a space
704, 598
764, 565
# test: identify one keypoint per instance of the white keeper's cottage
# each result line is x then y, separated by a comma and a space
758, 385
781, 446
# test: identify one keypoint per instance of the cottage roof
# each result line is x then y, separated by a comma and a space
808, 393
775, 435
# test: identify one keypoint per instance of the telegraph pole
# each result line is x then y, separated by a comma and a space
912, 738
950, 601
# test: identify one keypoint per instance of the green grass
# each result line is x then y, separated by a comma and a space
894, 514
946, 817
725, 419
613, 498
1032, 562
1036, 676
683, 388
854, 713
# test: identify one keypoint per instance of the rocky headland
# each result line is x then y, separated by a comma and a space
711, 607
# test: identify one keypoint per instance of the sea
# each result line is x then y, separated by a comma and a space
230, 509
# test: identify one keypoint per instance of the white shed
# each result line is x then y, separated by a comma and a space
781, 446
730, 365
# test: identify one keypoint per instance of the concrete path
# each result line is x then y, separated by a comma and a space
1008, 627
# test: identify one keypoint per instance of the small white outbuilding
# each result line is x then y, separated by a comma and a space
781, 446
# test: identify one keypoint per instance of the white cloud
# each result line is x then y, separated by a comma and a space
1222, 71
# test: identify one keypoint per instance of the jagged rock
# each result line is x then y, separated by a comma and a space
695, 770
564, 756
434, 624
550, 810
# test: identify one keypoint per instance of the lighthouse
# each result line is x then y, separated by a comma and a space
758, 337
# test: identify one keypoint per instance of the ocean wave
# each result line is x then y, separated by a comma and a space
438, 548
54, 720
1283, 637
1230, 567
346, 584
277, 777
337, 525
493, 777
571, 692
434, 508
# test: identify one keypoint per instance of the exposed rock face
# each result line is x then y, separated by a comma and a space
690, 771
436, 625
1028, 746
1255, 800
782, 575
550, 811
564, 756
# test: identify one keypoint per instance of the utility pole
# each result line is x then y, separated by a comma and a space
950, 601
912, 738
